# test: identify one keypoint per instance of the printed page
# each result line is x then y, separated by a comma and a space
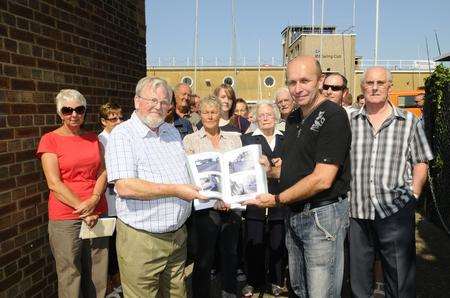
247, 178
104, 228
205, 169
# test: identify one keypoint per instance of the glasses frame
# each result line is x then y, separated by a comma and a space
154, 101
67, 111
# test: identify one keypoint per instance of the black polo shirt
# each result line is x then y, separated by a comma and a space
322, 137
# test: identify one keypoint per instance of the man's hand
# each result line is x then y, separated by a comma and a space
188, 192
91, 220
221, 206
263, 201
86, 207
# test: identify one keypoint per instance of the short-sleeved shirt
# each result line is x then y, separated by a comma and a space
135, 151
322, 137
383, 162
79, 160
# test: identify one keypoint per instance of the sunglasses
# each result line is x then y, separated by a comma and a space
114, 119
333, 87
69, 111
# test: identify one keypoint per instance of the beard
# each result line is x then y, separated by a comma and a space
153, 122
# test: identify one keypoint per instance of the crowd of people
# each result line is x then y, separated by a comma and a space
340, 175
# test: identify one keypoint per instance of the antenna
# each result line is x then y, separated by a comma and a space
428, 54
354, 14
437, 42
196, 46
233, 43
321, 32
259, 70
375, 58
312, 19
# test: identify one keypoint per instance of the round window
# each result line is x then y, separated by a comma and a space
187, 80
269, 81
228, 81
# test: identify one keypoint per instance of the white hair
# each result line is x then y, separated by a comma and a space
281, 90
388, 73
264, 103
66, 95
155, 83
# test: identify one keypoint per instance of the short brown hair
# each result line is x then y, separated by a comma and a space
108, 108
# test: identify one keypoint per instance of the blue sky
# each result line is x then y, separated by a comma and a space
404, 24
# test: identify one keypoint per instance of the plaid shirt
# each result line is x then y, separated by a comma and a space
382, 163
134, 151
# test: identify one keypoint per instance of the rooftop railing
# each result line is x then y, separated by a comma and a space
411, 65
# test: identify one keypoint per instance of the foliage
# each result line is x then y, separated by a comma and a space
437, 127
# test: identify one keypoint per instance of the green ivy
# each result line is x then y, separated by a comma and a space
437, 127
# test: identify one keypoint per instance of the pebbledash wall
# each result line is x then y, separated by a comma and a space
97, 47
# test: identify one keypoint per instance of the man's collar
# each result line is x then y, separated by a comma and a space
258, 132
398, 113
144, 130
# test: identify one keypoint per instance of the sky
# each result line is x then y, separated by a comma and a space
403, 27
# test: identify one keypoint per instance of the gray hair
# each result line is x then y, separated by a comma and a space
281, 90
66, 95
268, 104
155, 83
388, 73
209, 101
177, 87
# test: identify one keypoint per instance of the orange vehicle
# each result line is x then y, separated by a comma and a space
405, 100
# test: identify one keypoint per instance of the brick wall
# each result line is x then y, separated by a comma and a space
97, 47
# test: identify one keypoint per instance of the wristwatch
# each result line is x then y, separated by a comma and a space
277, 201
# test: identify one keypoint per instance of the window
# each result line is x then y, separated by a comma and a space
187, 80
407, 102
269, 81
228, 81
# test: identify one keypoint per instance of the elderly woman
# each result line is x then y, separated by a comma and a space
73, 166
218, 227
271, 141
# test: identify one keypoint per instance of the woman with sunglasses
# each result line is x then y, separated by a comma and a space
73, 166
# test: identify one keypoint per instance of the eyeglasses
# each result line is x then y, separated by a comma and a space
333, 87
69, 111
114, 119
371, 84
154, 101
268, 116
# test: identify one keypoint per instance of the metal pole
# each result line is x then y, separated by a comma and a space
196, 46
354, 15
313, 15
428, 54
259, 70
321, 32
437, 42
376, 33
233, 43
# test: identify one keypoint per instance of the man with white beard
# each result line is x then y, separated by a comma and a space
146, 161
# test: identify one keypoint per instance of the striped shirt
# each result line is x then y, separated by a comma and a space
135, 151
382, 163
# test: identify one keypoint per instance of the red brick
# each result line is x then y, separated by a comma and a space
26, 120
3, 147
34, 200
10, 281
10, 45
7, 184
20, 10
43, 18
37, 51
6, 133
30, 224
10, 70
24, 261
38, 264
23, 60
8, 233
46, 42
67, 68
9, 257
47, 64
17, 84
14, 170
33, 245
4, 57
7, 209
26, 132
24, 109
47, 87
3, 31
4, 83
28, 178
21, 35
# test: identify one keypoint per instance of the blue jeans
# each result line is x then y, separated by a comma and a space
315, 244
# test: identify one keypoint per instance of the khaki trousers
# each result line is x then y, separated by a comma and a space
151, 265
81, 265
